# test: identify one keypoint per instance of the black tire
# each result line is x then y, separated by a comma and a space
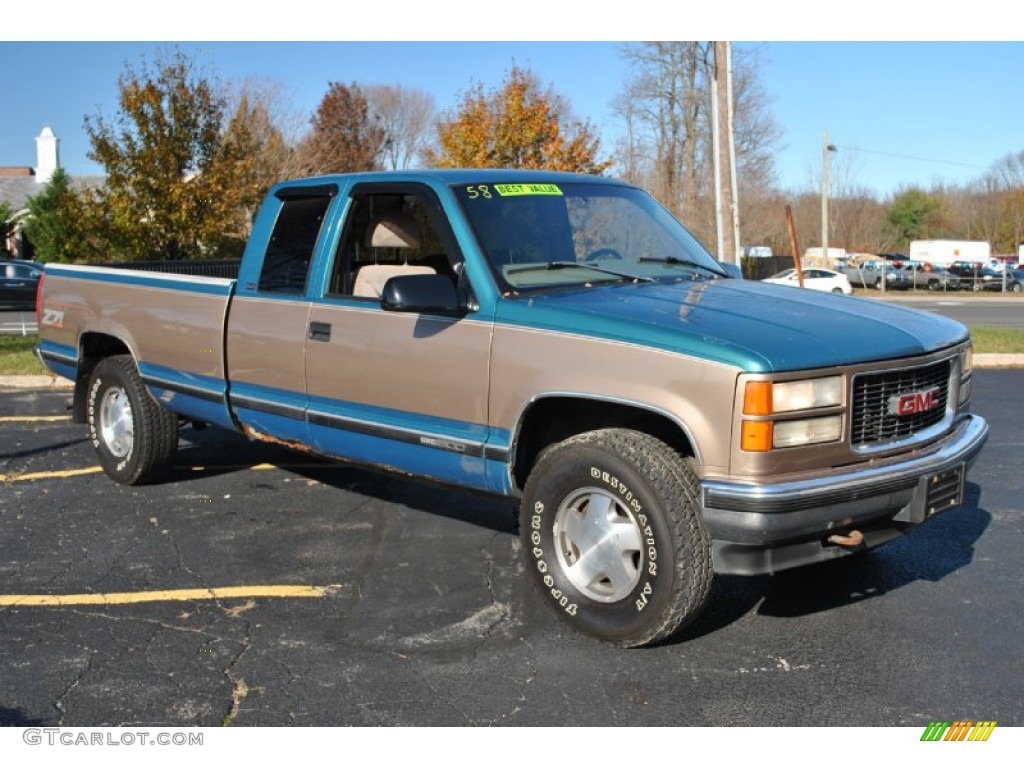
934, 285
647, 551
134, 437
1017, 287
837, 290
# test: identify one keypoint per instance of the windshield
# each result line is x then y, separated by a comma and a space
532, 234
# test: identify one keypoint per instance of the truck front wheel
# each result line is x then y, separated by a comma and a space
134, 437
613, 538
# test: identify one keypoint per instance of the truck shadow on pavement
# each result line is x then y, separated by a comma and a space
931, 552
216, 452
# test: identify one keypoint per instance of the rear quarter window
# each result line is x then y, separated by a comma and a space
290, 251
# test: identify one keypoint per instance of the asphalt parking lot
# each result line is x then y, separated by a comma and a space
260, 587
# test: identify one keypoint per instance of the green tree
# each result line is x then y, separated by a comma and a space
914, 215
52, 223
6, 225
518, 125
171, 190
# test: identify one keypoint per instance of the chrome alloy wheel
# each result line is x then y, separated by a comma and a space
117, 425
599, 544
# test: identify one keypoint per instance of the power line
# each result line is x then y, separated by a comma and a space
912, 157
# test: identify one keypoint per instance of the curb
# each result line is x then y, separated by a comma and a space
998, 360
36, 382
58, 383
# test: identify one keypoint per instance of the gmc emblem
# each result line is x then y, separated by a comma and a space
914, 402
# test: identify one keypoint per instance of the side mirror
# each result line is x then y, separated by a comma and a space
431, 294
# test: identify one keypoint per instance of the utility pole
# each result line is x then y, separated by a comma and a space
726, 211
825, 149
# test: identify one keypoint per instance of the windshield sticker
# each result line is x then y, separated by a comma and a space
514, 190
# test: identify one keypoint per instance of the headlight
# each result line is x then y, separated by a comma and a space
807, 431
762, 398
766, 398
966, 361
966, 366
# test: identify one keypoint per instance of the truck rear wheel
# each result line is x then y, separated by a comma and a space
613, 537
134, 437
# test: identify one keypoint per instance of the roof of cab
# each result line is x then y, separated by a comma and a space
454, 176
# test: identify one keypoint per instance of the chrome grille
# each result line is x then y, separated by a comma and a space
874, 394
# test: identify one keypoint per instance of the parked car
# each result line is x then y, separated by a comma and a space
1015, 280
933, 278
976, 277
816, 279
18, 283
898, 260
868, 274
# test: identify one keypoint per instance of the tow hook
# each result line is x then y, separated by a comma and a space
852, 539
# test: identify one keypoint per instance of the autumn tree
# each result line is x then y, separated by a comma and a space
520, 124
1006, 178
345, 136
405, 115
170, 180
254, 153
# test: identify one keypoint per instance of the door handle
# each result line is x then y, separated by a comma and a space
320, 331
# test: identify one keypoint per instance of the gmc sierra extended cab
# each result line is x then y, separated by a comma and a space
554, 339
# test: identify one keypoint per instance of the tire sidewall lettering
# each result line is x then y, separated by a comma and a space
637, 478
97, 383
96, 393
559, 596
101, 385
649, 551
556, 585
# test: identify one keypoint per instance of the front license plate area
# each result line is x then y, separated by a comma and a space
945, 490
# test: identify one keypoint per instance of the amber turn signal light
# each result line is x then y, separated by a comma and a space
757, 398
756, 436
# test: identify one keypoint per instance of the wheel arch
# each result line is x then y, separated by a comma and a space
556, 416
92, 348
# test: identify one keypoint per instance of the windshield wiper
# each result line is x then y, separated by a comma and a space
593, 268
674, 261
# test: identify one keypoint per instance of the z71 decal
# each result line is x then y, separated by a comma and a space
54, 318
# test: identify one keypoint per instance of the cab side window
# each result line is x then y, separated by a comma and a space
390, 234
290, 251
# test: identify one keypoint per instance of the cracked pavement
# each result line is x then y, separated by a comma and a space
433, 622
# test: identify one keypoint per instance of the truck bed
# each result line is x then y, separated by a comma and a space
177, 320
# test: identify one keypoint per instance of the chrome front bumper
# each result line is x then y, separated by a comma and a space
767, 527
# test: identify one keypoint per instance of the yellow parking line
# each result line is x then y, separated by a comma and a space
5, 419
47, 475
168, 595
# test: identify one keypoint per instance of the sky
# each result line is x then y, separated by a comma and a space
899, 113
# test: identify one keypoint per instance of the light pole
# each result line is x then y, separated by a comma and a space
825, 149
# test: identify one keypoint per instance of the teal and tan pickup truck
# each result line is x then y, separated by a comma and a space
557, 340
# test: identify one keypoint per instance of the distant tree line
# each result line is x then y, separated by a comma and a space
187, 159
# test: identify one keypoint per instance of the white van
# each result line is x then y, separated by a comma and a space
946, 252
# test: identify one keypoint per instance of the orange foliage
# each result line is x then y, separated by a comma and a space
519, 125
